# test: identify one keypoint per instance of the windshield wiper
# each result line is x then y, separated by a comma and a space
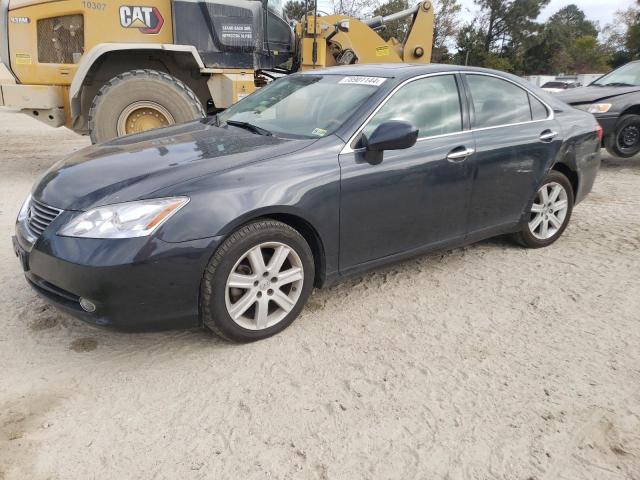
617, 84
250, 126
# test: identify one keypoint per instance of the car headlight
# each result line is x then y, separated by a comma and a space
124, 220
24, 210
595, 107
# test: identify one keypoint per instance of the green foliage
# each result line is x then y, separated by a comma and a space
507, 37
294, 9
500, 34
398, 28
586, 56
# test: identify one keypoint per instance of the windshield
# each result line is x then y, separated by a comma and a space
627, 75
302, 106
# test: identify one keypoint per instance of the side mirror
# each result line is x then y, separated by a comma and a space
392, 135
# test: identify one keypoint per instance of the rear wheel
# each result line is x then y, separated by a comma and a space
257, 282
141, 100
549, 212
624, 142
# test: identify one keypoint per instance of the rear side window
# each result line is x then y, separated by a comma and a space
538, 110
498, 102
431, 104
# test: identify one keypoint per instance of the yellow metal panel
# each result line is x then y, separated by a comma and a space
101, 24
368, 46
418, 45
33, 96
307, 53
227, 88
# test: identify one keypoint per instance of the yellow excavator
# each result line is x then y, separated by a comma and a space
108, 69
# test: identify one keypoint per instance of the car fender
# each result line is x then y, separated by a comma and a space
302, 187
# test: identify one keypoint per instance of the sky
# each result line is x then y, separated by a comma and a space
601, 11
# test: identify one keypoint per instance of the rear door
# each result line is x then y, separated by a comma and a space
516, 140
417, 196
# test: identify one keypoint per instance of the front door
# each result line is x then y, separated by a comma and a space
417, 196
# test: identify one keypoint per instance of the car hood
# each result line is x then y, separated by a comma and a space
133, 167
593, 94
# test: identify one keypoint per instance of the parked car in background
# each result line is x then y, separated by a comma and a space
229, 222
559, 86
615, 101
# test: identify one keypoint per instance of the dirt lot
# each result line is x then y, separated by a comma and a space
487, 362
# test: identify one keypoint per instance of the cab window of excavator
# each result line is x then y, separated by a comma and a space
276, 6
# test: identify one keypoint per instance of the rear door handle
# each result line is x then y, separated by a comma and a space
548, 135
460, 154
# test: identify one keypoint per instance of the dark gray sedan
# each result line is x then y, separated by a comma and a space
230, 222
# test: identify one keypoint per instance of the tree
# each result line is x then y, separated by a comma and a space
294, 10
503, 30
622, 37
572, 23
586, 56
353, 8
504, 21
446, 28
398, 28
470, 44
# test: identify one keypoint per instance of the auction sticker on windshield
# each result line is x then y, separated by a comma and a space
374, 81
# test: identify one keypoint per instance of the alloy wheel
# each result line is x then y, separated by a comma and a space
549, 211
264, 285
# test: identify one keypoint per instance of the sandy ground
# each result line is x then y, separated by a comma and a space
487, 362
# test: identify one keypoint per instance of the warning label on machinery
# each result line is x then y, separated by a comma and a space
236, 31
23, 59
383, 51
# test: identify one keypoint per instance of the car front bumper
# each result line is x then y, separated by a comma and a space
135, 284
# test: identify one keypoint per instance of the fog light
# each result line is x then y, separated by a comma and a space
87, 306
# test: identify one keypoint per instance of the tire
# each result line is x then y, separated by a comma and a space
137, 99
624, 142
533, 234
255, 291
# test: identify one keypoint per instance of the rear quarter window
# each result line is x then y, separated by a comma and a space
538, 110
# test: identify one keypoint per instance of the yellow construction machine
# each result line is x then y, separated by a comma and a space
110, 68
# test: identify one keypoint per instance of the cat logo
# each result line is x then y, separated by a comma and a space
146, 19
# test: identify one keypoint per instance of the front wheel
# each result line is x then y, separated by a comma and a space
549, 212
624, 142
257, 282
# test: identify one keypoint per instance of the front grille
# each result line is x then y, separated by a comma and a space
61, 39
40, 216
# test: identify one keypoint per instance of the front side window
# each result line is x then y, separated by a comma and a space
303, 106
498, 102
431, 104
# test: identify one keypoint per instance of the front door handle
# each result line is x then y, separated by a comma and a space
460, 154
548, 135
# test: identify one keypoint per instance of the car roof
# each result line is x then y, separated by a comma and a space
397, 70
